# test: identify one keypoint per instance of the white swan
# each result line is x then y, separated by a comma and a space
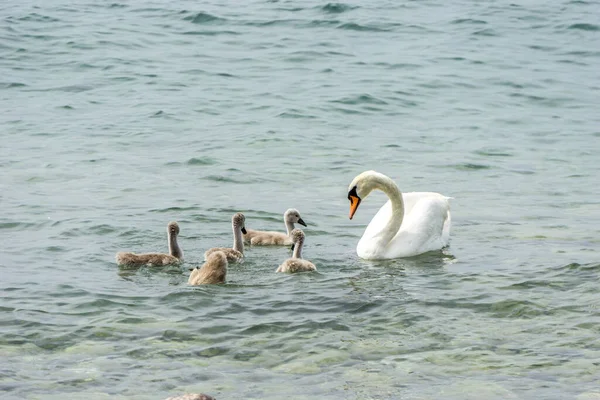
175, 255
407, 225
266, 238
296, 263
235, 253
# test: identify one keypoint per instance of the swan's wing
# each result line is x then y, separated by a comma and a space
426, 227
385, 212
411, 198
446, 229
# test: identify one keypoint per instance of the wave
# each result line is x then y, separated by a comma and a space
203, 18
470, 166
201, 161
585, 27
336, 8
360, 99
352, 26
210, 33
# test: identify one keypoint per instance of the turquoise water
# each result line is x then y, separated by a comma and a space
118, 117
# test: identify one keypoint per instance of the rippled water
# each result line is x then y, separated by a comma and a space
118, 117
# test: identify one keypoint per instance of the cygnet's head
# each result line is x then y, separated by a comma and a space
173, 228
292, 215
297, 235
217, 259
239, 221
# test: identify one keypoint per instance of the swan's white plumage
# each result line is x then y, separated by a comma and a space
424, 227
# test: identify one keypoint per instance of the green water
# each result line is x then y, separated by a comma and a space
118, 117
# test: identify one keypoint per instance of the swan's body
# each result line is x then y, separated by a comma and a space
232, 255
272, 238
146, 259
175, 255
213, 271
235, 253
407, 225
296, 263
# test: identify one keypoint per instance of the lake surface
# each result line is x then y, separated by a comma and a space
120, 116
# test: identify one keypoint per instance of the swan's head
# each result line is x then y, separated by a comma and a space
292, 215
361, 186
173, 228
239, 222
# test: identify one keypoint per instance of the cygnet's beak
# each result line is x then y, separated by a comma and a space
301, 222
244, 230
293, 245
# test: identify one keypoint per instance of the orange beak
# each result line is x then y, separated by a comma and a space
354, 202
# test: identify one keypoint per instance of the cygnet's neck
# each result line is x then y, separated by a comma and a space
289, 225
174, 248
238, 242
298, 248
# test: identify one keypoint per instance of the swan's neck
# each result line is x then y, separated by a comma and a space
174, 248
289, 226
298, 249
238, 242
392, 226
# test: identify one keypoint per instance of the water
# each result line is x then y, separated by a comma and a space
118, 117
